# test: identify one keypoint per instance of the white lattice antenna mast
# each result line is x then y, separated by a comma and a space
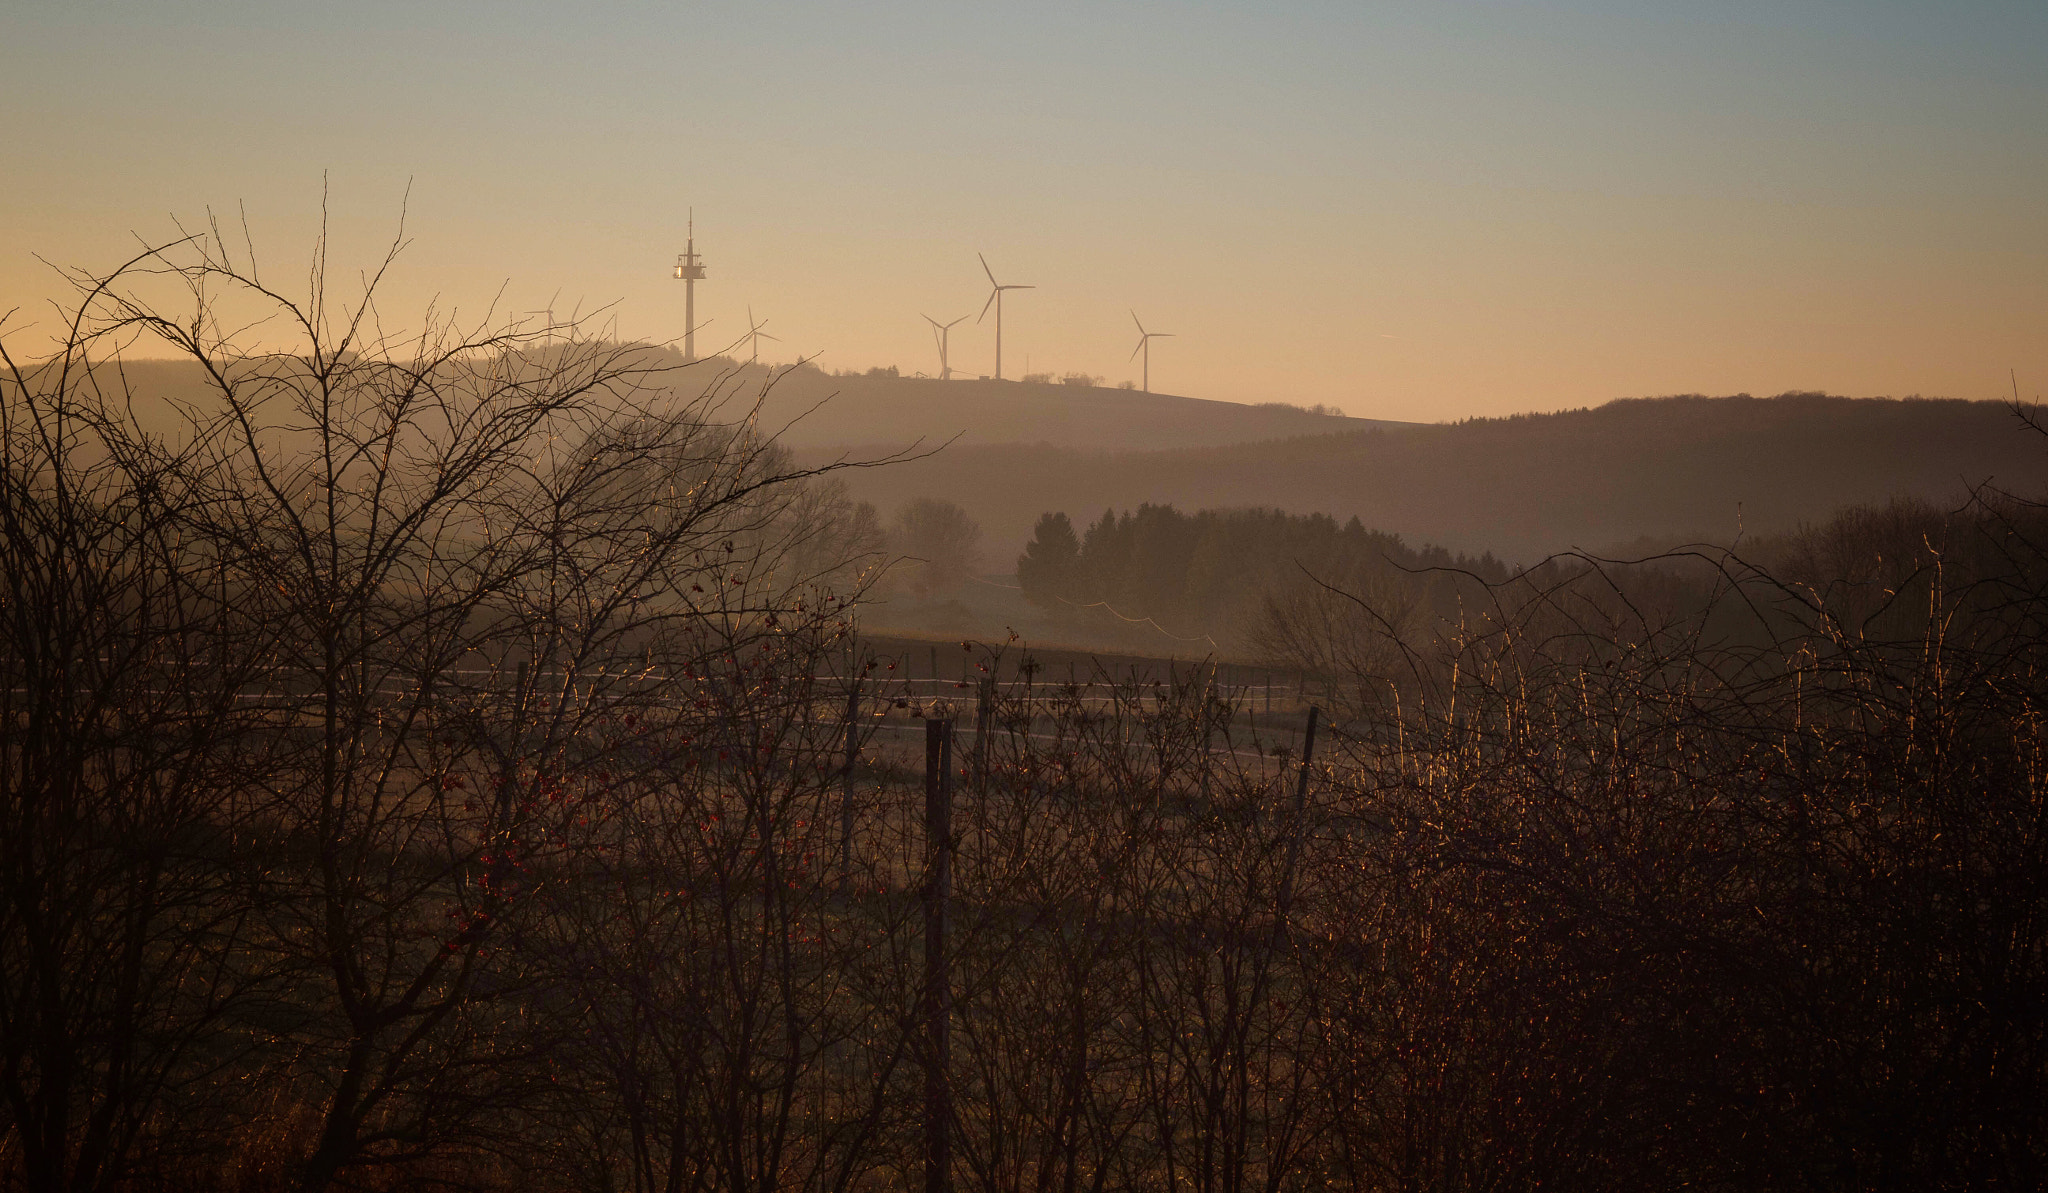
689, 270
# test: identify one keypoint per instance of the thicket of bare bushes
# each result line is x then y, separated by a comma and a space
1748, 864
935, 548
316, 692
429, 766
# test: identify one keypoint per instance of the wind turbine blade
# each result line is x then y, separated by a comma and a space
1163, 334
991, 302
930, 320
990, 272
1134, 319
1138, 349
1019, 287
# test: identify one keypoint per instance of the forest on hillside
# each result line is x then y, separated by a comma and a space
1337, 605
456, 763
1666, 469
1221, 575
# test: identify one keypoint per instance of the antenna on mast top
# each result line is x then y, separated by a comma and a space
689, 271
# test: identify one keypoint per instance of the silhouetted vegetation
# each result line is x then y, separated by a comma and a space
1217, 573
1318, 409
936, 545
451, 763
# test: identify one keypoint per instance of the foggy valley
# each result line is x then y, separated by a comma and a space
789, 598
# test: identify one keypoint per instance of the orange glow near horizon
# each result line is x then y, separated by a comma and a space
1428, 213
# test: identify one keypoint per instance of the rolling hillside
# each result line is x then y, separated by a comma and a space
1665, 469
881, 409
1522, 487
816, 409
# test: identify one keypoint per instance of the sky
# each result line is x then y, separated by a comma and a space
1427, 211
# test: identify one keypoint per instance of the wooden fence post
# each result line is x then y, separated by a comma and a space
938, 1000
1308, 748
846, 791
1208, 736
984, 713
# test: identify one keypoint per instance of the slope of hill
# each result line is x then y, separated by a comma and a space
1521, 487
878, 409
1526, 486
818, 409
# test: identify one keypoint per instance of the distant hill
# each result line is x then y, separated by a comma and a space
1659, 469
881, 409
819, 409
1522, 487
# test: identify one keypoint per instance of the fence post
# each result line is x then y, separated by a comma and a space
1308, 748
846, 791
984, 712
938, 820
510, 786
1208, 736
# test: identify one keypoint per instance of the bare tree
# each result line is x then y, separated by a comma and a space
129, 681
481, 552
940, 545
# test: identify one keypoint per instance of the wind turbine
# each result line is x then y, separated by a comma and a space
995, 298
940, 333
755, 335
1145, 339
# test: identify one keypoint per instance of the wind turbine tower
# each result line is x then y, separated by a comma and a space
755, 335
1145, 339
689, 271
995, 298
941, 332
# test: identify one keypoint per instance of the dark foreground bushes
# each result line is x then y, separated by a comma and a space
1752, 896
427, 765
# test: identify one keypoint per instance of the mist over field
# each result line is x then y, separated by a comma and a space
1427, 597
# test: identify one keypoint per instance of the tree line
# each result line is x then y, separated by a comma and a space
451, 762
1220, 574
